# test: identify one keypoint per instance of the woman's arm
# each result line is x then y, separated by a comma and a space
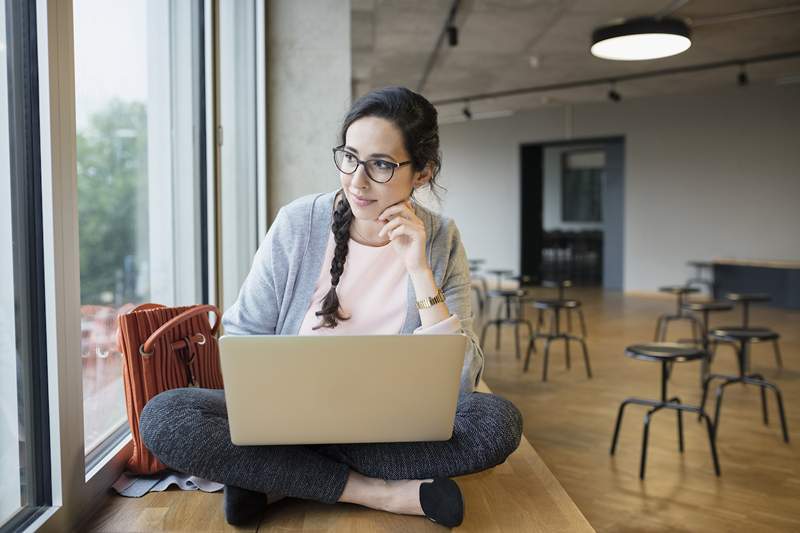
255, 311
457, 289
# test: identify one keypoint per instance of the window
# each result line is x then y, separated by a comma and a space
141, 192
25, 488
582, 174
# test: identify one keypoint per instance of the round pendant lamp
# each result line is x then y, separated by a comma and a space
641, 38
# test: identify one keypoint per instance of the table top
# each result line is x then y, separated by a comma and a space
748, 297
758, 263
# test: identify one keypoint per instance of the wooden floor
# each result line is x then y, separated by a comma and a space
569, 421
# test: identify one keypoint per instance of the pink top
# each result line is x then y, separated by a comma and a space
372, 291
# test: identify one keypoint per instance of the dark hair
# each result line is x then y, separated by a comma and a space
417, 119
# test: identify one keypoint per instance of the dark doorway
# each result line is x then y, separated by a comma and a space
572, 195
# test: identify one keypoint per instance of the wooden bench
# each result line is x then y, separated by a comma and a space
519, 495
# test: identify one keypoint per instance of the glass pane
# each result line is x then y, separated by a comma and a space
111, 116
138, 192
10, 445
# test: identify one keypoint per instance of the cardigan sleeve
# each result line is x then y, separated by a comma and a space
457, 289
256, 309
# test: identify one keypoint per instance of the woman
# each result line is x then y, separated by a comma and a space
362, 260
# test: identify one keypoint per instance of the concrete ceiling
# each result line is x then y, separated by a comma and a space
392, 41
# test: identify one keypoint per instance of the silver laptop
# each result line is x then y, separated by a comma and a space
341, 388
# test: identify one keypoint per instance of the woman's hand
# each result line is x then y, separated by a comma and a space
406, 232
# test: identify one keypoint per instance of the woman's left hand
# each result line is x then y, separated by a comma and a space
406, 232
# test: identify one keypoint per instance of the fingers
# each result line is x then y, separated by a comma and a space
400, 222
403, 209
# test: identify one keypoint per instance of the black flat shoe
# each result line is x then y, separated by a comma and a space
243, 506
442, 502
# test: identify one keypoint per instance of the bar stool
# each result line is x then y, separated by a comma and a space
742, 338
699, 279
555, 333
666, 353
525, 283
474, 269
478, 286
510, 297
663, 321
576, 305
705, 308
745, 299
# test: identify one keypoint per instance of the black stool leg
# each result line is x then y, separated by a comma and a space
546, 358
712, 441
763, 390
585, 356
618, 423
777, 349
718, 406
781, 413
531, 348
516, 339
645, 436
567, 353
583, 322
680, 423
569, 320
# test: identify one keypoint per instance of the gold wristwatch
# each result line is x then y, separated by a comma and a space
430, 301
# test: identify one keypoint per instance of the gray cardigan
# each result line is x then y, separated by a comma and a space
277, 292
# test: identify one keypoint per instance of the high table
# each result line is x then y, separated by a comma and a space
779, 279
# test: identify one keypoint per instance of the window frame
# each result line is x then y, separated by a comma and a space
77, 491
28, 259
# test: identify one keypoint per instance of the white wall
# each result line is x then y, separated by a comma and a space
712, 175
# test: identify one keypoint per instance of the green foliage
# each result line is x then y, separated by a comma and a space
112, 201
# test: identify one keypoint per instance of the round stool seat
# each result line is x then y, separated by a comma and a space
748, 297
679, 289
744, 334
708, 306
523, 279
700, 264
500, 272
664, 351
477, 261
555, 304
507, 293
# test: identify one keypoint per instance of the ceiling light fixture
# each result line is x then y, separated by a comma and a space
613, 95
742, 79
452, 35
641, 38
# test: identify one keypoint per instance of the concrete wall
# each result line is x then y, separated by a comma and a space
308, 84
706, 175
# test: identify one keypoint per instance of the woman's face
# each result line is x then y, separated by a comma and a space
378, 138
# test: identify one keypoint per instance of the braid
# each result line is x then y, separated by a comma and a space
330, 311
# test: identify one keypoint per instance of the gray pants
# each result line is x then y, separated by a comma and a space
187, 429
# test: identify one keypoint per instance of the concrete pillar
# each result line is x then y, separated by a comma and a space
308, 94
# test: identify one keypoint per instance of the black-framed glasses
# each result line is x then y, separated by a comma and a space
378, 170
